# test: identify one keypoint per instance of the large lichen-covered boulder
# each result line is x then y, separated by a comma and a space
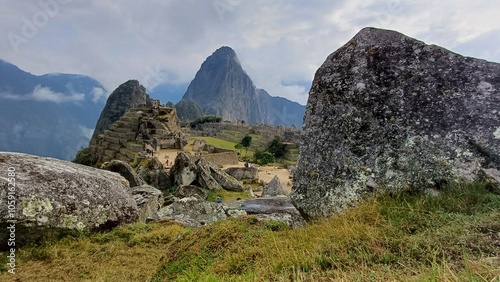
53, 195
388, 111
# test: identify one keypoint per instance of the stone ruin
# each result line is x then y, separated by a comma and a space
213, 154
147, 128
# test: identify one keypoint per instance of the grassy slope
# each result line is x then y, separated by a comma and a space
224, 144
455, 237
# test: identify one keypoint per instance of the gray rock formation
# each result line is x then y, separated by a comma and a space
273, 188
190, 191
125, 170
241, 173
53, 195
386, 110
186, 171
155, 174
128, 95
492, 179
224, 180
221, 87
149, 200
188, 110
193, 212
271, 208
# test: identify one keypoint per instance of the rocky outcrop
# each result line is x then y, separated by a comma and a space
388, 111
209, 171
125, 170
221, 87
241, 173
188, 110
186, 171
149, 200
193, 212
273, 188
53, 195
190, 191
154, 174
128, 95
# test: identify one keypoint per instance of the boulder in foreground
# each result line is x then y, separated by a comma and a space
388, 111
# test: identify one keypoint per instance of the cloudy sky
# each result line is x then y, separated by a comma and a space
280, 43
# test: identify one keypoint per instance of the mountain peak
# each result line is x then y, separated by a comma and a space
221, 87
128, 95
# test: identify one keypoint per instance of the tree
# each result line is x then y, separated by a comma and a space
277, 147
238, 147
263, 157
83, 157
245, 142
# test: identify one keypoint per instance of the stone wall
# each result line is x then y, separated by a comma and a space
224, 158
137, 130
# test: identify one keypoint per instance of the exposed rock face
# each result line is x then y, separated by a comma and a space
273, 188
149, 200
155, 174
209, 171
241, 173
193, 212
190, 191
188, 110
125, 170
53, 195
128, 95
221, 87
386, 110
186, 171
272, 208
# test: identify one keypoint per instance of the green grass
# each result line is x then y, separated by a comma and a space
406, 237
224, 144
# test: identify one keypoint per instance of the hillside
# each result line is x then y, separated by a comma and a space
47, 115
454, 237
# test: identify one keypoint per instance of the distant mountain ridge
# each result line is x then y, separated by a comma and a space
221, 87
48, 115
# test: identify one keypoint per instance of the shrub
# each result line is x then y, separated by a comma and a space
263, 157
83, 157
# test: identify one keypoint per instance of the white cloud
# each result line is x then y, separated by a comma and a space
276, 40
86, 132
45, 94
98, 94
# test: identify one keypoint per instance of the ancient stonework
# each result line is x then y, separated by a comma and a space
388, 111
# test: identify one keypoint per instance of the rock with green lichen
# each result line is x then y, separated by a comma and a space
388, 112
53, 196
